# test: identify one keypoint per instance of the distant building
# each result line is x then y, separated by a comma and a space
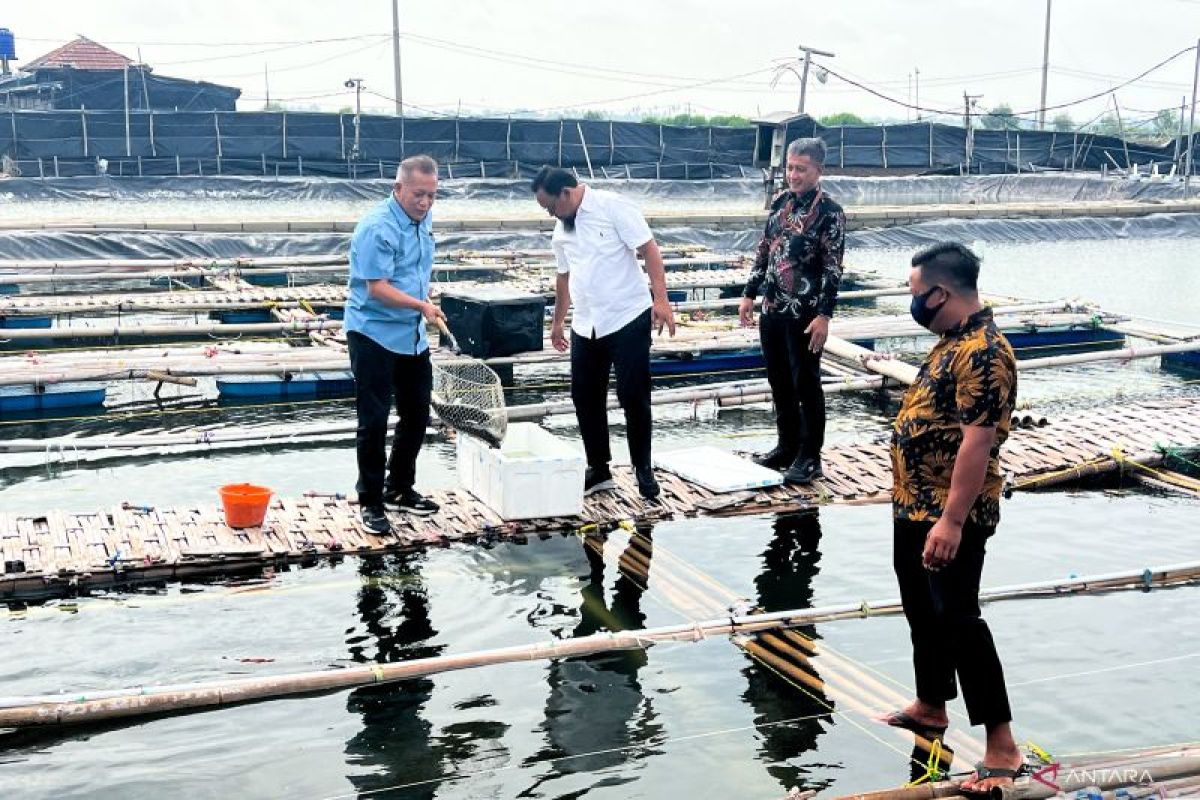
86, 74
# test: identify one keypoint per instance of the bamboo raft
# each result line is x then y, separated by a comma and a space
857, 217
279, 358
315, 294
60, 553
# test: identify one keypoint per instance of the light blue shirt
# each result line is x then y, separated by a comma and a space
387, 244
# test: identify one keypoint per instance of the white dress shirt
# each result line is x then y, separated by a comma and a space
609, 289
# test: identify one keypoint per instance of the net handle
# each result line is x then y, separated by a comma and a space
449, 337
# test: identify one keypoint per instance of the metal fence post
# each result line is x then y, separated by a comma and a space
612, 144
883, 146
931, 144
342, 135
285, 133
560, 138
82, 122
217, 128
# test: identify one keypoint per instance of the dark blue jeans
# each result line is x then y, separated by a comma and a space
381, 376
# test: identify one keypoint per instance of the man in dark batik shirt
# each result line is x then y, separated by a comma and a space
946, 504
797, 269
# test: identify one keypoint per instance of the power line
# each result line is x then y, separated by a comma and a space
308, 64
1122, 85
260, 52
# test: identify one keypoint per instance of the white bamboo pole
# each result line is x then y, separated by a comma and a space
104, 331
118, 331
77, 707
1124, 354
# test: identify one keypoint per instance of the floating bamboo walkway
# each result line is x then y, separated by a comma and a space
60, 552
245, 296
1153, 773
857, 217
279, 358
78, 707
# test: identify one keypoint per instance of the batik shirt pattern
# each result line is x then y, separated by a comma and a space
798, 264
969, 378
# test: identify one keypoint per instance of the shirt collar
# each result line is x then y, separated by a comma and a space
401, 216
976, 320
807, 197
588, 203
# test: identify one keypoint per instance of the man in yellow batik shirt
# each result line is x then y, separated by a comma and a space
946, 504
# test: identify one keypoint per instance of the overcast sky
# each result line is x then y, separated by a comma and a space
559, 56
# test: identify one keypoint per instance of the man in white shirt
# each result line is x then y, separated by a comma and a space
596, 242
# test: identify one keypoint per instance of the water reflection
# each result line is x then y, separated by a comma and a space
395, 744
781, 681
595, 705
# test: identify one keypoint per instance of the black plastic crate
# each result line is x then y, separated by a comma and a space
495, 322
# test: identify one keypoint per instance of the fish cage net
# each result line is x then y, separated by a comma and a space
468, 396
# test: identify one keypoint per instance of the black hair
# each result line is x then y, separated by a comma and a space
949, 263
552, 181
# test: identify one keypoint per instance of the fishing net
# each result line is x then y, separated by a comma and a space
468, 397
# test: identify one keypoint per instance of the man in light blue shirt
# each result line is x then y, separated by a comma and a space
391, 262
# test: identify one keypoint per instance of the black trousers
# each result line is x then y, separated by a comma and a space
379, 377
949, 635
795, 377
627, 351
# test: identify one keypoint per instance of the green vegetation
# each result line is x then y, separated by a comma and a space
698, 120
1000, 118
841, 118
1063, 123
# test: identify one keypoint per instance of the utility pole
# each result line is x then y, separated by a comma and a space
1191, 145
356, 84
1045, 70
969, 101
396, 57
1177, 161
917, 91
128, 148
809, 52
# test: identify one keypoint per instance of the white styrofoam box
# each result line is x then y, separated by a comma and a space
532, 474
717, 470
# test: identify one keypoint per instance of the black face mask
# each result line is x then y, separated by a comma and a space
921, 312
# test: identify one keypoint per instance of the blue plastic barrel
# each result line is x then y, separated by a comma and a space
8, 44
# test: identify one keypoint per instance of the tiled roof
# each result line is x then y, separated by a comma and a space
82, 53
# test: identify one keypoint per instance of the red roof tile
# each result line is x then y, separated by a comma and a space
82, 53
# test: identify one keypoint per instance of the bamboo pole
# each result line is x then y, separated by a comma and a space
1131, 774
54, 273
48, 710
1124, 354
896, 370
119, 331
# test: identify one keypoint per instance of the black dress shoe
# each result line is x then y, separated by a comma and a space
803, 470
777, 458
597, 479
374, 520
647, 484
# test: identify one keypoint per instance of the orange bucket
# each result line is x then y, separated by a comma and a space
245, 504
